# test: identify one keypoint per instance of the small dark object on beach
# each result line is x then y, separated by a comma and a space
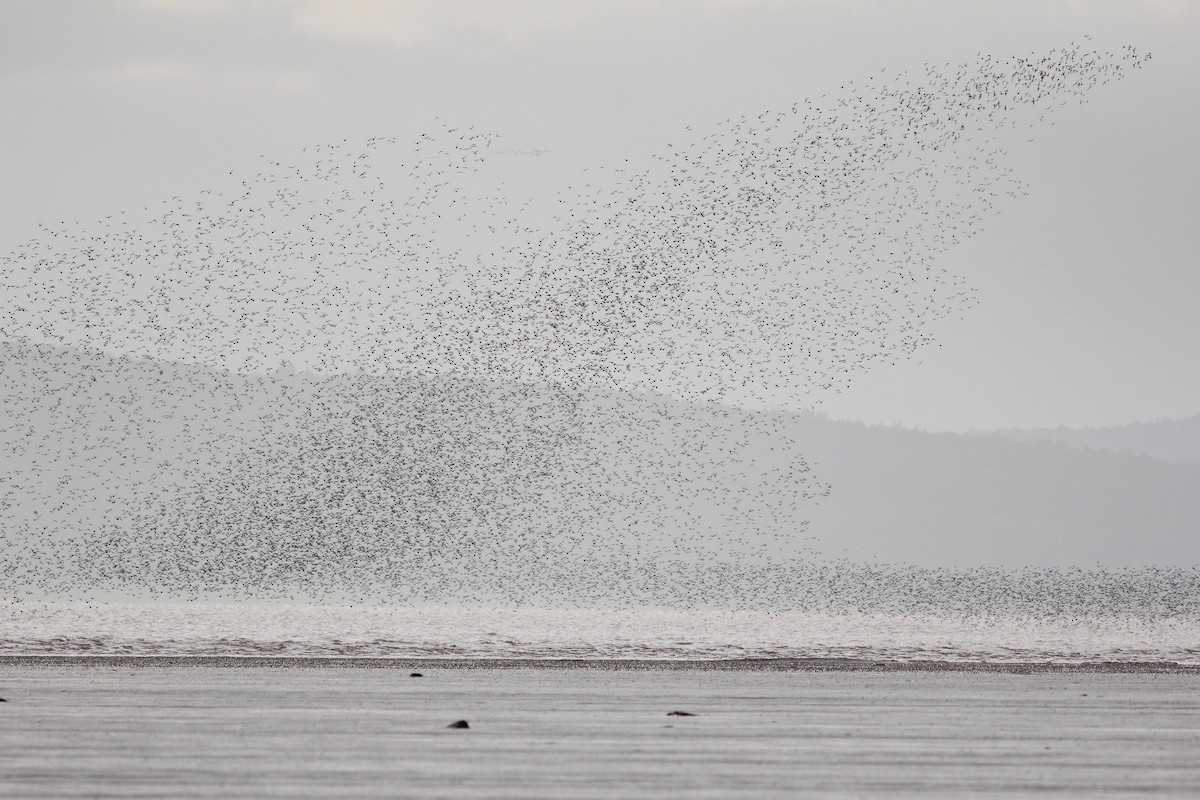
2, 700
415, 675
462, 723
680, 714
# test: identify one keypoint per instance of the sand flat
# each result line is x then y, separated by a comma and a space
104, 729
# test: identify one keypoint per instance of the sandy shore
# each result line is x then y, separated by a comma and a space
729, 665
155, 727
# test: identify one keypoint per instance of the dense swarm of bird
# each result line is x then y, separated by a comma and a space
505, 399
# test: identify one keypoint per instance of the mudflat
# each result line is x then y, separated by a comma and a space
113, 727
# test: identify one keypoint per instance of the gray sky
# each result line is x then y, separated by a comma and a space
1086, 286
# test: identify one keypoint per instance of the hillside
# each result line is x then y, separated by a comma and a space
134, 472
1175, 440
946, 499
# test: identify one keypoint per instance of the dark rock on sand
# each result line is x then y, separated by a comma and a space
462, 723
415, 675
680, 714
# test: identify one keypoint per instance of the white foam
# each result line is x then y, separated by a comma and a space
245, 629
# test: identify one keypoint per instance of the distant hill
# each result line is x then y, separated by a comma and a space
187, 478
1169, 440
946, 499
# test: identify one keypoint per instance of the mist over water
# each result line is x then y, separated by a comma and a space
422, 373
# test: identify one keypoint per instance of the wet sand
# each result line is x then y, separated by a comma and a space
624, 664
255, 727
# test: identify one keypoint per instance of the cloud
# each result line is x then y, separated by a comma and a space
198, 6
413, 22
417, 22
1150, 8
408, 23
177, 74
1171, 7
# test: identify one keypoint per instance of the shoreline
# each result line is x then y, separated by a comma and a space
637, 665
269, 727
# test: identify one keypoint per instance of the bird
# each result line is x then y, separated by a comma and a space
376, 371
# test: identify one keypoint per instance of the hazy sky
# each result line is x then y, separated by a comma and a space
1087, 287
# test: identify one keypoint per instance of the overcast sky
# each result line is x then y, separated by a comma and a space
1087, 287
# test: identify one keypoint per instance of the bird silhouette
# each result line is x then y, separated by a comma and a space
378, 372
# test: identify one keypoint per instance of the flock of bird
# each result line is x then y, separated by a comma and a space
503, 397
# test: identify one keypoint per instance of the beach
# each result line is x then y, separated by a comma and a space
510, 399
100, 726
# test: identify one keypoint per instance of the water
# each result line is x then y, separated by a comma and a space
314, 631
